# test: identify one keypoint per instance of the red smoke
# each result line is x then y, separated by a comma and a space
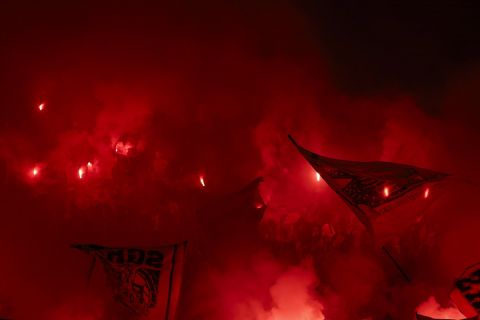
433, 309
154, 111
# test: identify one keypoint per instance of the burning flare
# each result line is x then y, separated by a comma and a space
41, 106
386, 192
124, 148
81, 172
202, 181
318, 177
35, 171
427, 193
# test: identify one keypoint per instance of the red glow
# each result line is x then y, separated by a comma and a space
258, 205
81, 173
112, 120
124, 149
386, 192
35, 171
432, 308
427, 193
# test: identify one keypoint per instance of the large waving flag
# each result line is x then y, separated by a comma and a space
374, 190
146, 281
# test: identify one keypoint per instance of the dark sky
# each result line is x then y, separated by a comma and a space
415, 46
370, 46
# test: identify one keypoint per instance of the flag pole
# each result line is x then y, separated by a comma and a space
170, 285
396, 264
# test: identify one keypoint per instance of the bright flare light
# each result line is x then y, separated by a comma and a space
202, 181
81, 173
258, 205
386, 192
427, 193
35, 171
41, 106
124, 149
318, 177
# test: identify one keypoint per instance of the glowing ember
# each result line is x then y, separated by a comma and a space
124, 149
386, 192
427, 193
202, 181
41, 106
258, 205
318, 177
35, 171
81, 173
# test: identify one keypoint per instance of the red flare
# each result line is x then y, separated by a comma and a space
41, 106
202, 181
81, 173
35, 172
258, 205
426, 193
386, 192
124, 149
318, 177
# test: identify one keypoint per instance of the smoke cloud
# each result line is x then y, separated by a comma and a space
142, 100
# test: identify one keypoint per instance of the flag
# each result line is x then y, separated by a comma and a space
466, 294
421, 317
145, 281
373, 189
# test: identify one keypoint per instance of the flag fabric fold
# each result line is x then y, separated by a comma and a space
146, 281
374, 190
466, 294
